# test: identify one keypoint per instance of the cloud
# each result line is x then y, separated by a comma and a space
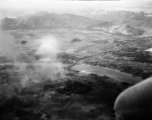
21, 7
46, 4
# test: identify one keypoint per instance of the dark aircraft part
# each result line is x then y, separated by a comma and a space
135, 103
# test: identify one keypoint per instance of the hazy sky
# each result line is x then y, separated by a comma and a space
14, 7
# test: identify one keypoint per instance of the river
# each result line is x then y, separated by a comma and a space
108, 72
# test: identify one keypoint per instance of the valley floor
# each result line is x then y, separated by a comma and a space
77, 96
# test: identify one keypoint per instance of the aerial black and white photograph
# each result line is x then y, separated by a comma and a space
75, 59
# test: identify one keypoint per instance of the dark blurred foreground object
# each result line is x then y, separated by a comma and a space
135, 103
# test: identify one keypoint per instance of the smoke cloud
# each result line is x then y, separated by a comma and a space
48, 67
8, 46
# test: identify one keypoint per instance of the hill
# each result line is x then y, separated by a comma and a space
134, 19
107, 21
44, 20
125, 30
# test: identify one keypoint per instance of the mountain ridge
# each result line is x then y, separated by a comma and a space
45, 20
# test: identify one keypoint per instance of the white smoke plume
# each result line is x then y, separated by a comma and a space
48, 66
8, 47
48, 50
48, 47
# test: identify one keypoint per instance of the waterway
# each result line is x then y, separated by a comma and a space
101, 71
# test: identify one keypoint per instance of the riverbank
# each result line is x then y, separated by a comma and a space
108, 72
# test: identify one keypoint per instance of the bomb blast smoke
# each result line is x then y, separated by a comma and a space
47, 67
